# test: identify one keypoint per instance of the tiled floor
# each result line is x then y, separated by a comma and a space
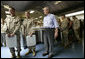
74, 51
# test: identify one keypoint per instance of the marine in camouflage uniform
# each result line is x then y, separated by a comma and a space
13, 25
28, 23
76, 26
64, 29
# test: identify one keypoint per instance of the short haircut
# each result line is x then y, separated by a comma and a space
46, 8
63, 15
68, 18
74, 16
27, 12
12, 8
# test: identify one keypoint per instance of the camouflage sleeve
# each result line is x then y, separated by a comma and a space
33, 25
22, 29
7, 31
5, 27
17, 27
78, 24
65, 25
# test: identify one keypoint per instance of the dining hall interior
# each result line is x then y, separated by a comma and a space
73, 47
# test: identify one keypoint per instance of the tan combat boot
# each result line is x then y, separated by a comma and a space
18, 55
30, 51
13, 55
34, 53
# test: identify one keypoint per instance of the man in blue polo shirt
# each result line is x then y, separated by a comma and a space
51, 31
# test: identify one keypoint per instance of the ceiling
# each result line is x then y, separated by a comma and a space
61, 8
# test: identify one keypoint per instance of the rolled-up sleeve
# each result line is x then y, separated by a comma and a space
55, 22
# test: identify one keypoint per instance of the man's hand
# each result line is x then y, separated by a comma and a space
9, 35
12, 34
30, 34
56, 33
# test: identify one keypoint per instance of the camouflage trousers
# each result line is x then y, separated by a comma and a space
3, 39
12, 50
76, 33
65, 37
24, 40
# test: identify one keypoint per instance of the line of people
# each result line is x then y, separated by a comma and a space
70, 30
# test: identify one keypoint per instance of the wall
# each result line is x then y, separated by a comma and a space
80, 16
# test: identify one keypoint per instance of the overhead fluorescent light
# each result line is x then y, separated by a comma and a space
6, 6
75, 13
32, 11
36, 18
40, 16
57, 2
